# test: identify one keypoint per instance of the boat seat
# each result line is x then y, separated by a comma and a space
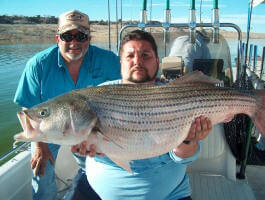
213, 174
210, 67
221, 50
172, 67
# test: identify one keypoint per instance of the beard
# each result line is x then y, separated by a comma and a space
145, 78
75, 57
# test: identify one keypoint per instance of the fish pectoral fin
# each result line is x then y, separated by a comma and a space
196, 77
106, 138
125, 164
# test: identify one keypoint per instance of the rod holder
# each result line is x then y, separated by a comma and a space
262, 64
215, 24
167, 18
143, 19
250, 55
166, 26
167, 21
192, 25
255, 57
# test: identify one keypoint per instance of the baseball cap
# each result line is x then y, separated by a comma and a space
73, 20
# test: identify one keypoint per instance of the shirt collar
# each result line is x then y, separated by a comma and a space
61, 62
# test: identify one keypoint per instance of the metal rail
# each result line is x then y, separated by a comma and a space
185, 25
14, 150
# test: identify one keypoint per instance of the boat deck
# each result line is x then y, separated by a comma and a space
256, 179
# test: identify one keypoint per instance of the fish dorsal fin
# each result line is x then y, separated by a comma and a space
196, 77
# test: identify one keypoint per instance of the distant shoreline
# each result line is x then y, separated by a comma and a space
45, 33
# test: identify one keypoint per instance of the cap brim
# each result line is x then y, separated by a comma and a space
73, 27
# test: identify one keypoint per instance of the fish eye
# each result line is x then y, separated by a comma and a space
44, 112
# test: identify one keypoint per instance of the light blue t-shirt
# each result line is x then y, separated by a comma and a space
46, 75
162, 177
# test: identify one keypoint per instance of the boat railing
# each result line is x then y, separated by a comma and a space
191, 25
16, 149
255, 62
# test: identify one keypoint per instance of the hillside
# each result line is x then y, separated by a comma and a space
45, 33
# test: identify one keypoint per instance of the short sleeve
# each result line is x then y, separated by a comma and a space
186, 160
28, 90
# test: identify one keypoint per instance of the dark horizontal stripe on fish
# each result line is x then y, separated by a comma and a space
146, 87
169, 95
134, 89
156, 91
180, 100
184, 101
142, 122
151, 129
176, 111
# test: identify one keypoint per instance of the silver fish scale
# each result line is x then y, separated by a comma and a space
152, 117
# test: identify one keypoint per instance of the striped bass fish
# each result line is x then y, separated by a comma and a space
130, 122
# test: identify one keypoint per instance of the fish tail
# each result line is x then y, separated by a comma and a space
259, 116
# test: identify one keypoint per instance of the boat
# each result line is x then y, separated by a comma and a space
215, 175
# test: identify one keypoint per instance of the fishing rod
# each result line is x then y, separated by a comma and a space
109, 23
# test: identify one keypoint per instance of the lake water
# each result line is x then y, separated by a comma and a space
13, 58
12, 62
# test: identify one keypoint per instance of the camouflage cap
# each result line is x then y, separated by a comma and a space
73, 20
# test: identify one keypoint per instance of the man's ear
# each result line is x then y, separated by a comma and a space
57, 37
89, 39
158, 60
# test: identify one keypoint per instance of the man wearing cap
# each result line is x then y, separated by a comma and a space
71, 64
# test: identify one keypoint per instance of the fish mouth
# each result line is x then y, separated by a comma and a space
30, 128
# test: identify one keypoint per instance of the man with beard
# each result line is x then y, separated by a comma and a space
71, 64
160, 177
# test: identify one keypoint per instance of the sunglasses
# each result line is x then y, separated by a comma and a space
79, 37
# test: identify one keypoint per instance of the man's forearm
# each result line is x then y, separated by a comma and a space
40, 144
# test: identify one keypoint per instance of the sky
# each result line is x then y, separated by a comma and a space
231, 11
